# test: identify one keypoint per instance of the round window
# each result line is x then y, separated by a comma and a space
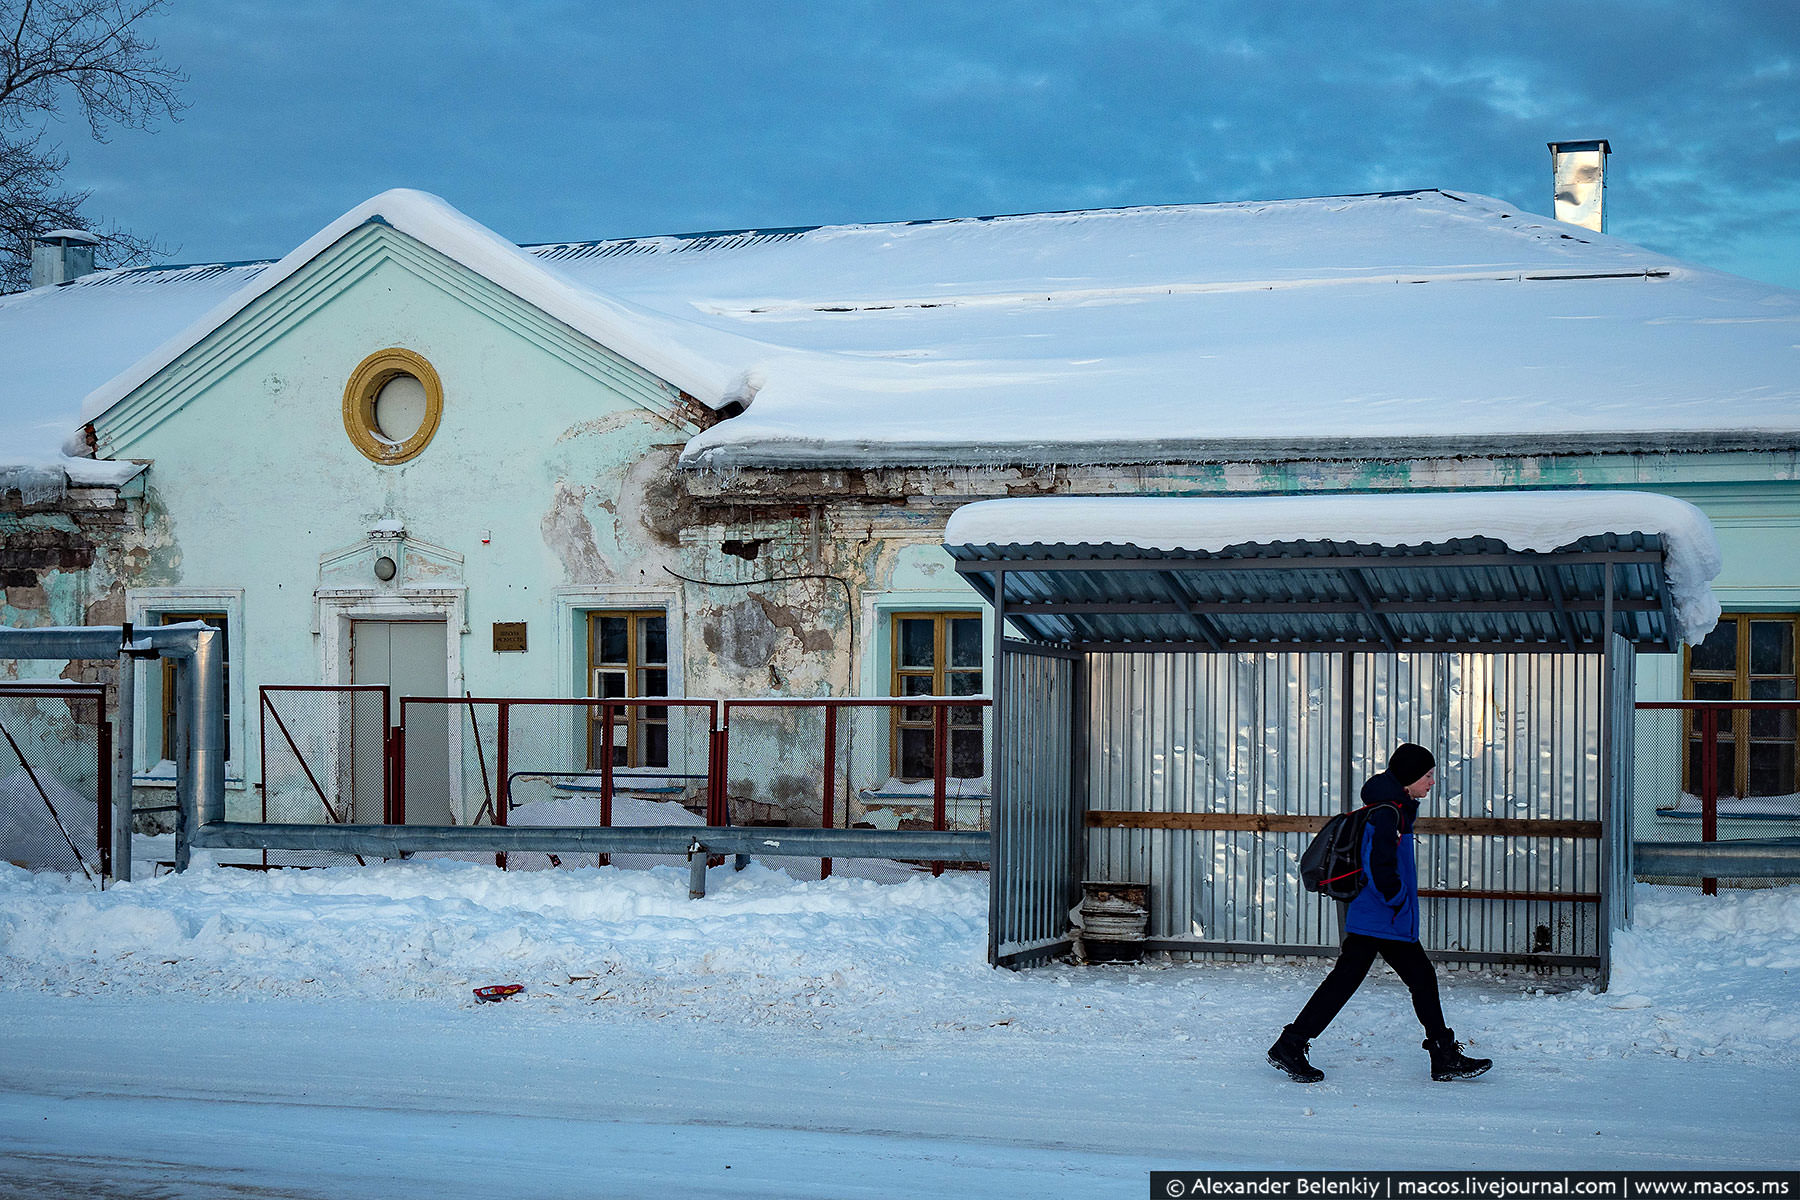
392, 405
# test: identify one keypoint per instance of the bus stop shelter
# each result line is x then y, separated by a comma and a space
1187, 688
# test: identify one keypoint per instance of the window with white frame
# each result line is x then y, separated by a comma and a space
155, 733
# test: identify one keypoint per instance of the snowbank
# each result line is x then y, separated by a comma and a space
1696, 975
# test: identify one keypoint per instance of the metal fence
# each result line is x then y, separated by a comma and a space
340, 755
1717, 771
556, 762
55, 778
918, 763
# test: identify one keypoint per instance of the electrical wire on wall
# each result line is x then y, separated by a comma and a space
849, 603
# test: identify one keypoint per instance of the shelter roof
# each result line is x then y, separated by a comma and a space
1414, 572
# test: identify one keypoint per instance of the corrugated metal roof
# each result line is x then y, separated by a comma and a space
1472, 594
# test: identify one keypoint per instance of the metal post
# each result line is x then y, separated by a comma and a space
999, 810
1347, 732
1609, 830
103, 782
502, 782
697, 857
124, 750
399, 736
185, 815
606, 779
828, 808
1709, 788
940, 770
1078, 778
720, 815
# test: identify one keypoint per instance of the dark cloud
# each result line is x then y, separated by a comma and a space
551, 120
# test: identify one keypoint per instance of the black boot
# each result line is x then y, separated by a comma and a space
1289, 1054
1448, 1061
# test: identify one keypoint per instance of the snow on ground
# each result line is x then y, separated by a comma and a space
212, 1033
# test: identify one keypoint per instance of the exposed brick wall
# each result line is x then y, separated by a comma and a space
68, 561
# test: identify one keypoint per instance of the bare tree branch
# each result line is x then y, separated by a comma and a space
52, 52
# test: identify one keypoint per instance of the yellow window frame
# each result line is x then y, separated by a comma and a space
1735, 727
637, 721
900, 721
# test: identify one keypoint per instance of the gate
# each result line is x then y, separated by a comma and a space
55, 777
327, 759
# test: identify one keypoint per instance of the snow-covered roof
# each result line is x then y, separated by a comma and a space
1527, 522
1387, 324
59, 343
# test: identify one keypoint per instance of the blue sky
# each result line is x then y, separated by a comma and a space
549, 120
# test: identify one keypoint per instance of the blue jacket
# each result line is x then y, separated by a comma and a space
1388, 905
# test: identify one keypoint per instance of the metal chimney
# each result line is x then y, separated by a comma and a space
1580, 174
61, 255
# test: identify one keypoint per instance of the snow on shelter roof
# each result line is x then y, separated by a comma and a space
1395, 572
1415, 322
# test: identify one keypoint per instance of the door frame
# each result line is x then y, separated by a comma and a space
335, 610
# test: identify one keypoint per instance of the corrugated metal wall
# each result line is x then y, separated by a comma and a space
1515, 736
1034, 817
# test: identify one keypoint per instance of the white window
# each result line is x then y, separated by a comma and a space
155, 723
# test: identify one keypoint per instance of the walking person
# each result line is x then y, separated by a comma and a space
1383, 920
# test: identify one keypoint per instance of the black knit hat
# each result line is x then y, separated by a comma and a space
1410, 763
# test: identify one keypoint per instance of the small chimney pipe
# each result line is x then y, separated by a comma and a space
60, 256
1579, 174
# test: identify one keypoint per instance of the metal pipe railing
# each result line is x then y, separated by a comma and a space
200, 688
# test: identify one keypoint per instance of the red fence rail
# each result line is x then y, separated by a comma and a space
512, 751
1743, 751
831, 777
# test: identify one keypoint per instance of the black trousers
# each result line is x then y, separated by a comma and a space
1358, 955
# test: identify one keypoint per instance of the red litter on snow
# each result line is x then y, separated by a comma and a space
499, 991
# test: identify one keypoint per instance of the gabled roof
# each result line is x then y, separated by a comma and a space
1423, 322
656, 343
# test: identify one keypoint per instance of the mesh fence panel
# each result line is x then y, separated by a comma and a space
324, 763
50, 779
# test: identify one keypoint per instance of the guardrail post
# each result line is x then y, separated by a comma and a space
697, 857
